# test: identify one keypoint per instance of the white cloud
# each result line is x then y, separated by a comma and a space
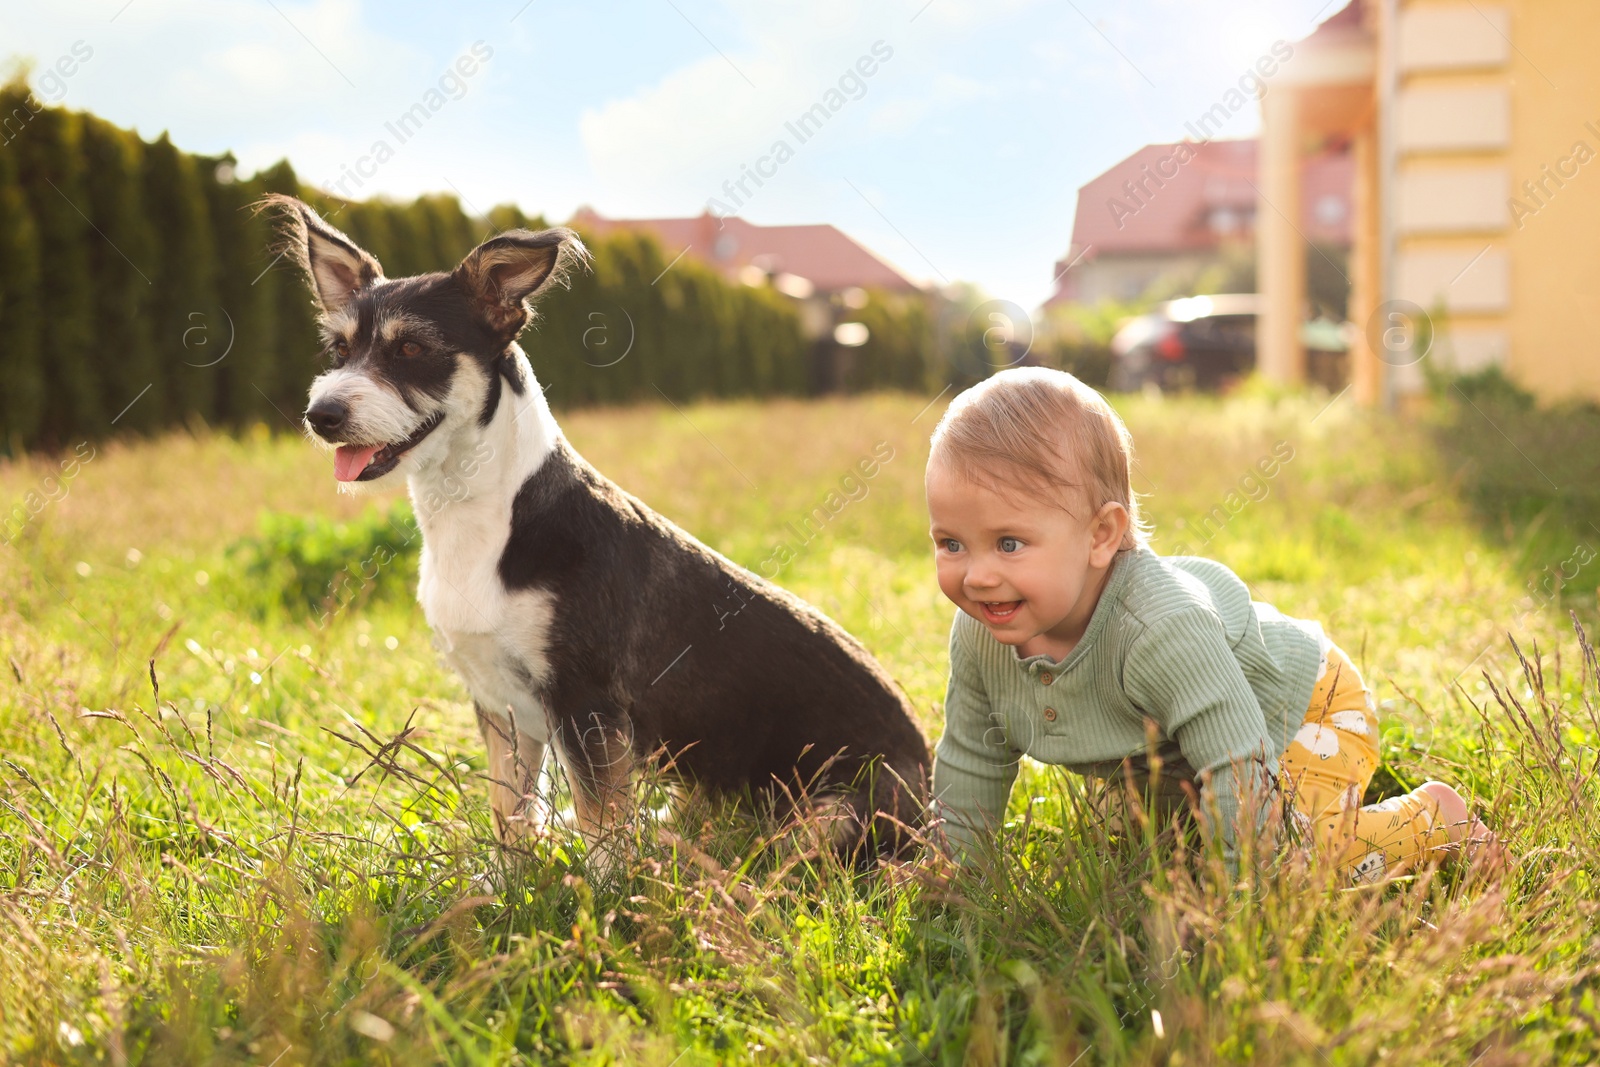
220, 72
696, 127
900, 111
686, 130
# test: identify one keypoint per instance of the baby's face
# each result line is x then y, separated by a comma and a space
1018, 564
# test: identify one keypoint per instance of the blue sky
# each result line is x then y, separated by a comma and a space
957, 159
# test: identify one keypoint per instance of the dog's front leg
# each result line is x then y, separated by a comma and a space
514, 761
596, 750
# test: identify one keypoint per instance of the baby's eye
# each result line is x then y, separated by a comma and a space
950, 544
1010, 544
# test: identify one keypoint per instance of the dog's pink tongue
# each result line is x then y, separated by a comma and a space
350, 460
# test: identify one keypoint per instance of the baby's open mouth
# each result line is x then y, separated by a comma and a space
1000, 610
362, 463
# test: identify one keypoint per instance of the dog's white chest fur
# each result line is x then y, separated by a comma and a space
459, 583
496, 639
503, 668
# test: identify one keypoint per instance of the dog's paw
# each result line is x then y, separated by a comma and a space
491, 882
608, 860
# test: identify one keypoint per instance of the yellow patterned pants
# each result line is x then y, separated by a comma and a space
1326, 769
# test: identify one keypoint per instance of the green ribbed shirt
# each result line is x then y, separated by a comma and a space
1175, 640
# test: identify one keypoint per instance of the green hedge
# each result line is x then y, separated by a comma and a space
138, 292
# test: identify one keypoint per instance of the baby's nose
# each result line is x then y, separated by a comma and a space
982, 578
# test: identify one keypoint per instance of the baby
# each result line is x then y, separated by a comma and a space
1078, 645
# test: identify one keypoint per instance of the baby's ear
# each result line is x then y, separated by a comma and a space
1108, 530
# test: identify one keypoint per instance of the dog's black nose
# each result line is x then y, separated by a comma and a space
327, 417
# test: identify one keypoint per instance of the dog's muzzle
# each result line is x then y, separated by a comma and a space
328, 417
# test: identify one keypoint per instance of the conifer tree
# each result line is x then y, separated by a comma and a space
184, 274
451, 234
411, 245
240, 344
511, 217
21, 362
298, 353
49, 154
371, 224
121, 255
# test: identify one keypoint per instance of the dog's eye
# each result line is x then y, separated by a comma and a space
411, 348
342, 349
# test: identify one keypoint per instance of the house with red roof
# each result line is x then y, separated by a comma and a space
1174, 209
798, 259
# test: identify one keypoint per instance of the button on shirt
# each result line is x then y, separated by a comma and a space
1175, 640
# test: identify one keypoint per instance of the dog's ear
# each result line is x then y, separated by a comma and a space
336, 267
505, 272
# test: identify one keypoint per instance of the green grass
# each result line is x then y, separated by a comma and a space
286, 858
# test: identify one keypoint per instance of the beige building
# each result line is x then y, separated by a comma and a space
1474, 126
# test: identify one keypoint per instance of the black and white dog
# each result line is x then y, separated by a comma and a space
576, 615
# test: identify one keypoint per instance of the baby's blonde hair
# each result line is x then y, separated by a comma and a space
1042, 430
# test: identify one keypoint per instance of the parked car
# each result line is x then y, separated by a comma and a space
1207, 342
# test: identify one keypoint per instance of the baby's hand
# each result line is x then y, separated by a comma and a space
1483, 854
932, 869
